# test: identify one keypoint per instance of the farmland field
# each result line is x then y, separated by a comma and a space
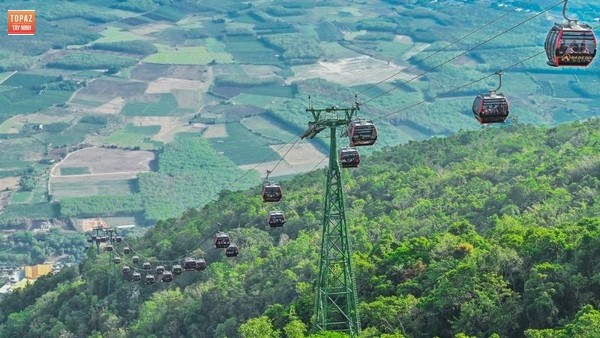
65, 171
242, 146
91, 187
198, 55
264, 126
166, 106
133, 136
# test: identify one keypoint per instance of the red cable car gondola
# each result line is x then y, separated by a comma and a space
189, 264
201, 264
362, 133
150, 279
276, 219
570, 43
167, 277
177, 269
492, 107
271, 192
222, 240
348, 157
232, 250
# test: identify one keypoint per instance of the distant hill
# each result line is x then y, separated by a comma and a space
489, 233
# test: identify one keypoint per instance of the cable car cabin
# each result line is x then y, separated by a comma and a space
125, 270
201, 264
167, 277
271, 192
362, 133
276, 219
490, 108
117, 260
177, 269
147, 266
135, 259
136, 277
126, 250
189, 264
90, 240
118, 239
108, 248
232, 251
149, 279
222, 240
160, 270
94, 238
571, 44
348, 157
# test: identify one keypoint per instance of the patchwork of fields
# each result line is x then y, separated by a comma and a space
133, 89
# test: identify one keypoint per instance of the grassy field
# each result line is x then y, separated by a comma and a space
93, 187
242, 146
133, 136
262, 125
115, 34
65, 171
166, 106
198, 55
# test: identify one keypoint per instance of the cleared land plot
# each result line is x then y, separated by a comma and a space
198, 55
189, 99
349, 72
9, 183
215, 131
113, 106
167, 85
10, 126
169, 126
264, 126
150, 28
242, 146
152, 71
105, 161
114, 88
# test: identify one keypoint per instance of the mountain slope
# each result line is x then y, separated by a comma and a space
479, 233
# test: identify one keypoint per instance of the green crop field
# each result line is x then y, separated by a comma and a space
27, 80
65, 171
247, 49
21, 197
92, 187
115, 34
166, 106
262, 125
134, 136
242, 146
72, 135
26, 101
199, 55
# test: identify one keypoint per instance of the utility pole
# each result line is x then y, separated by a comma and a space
336, 297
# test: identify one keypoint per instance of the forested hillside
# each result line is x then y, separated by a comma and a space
485, 234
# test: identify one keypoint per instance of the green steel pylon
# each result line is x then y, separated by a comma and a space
336, 298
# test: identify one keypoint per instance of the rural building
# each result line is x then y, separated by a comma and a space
34, 272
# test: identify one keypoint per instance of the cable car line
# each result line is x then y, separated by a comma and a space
463, 86
465, 52
444, 48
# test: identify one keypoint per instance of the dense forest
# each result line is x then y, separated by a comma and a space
494, 233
